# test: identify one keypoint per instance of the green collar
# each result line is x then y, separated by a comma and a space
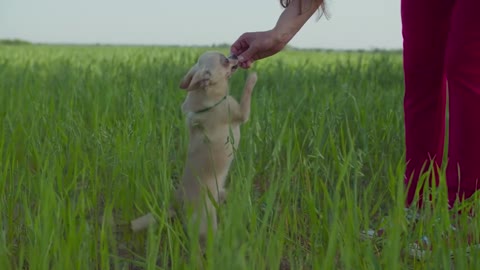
213, 106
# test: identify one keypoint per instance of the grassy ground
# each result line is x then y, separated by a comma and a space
92, 137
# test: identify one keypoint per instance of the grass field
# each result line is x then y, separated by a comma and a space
93, 137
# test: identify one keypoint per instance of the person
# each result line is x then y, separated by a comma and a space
441, 41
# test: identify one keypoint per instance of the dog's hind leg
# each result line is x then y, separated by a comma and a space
207, 214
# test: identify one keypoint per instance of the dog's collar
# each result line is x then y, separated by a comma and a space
211, 107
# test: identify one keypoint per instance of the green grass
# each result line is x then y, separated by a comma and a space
93, 137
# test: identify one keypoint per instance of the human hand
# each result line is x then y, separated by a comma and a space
253, 46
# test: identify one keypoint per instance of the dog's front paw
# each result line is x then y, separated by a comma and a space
251, 80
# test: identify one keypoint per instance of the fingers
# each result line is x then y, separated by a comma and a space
240, 45
235, 49
249, 63
248, 55
246, 64
245, 49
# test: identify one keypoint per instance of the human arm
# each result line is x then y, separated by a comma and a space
253, 46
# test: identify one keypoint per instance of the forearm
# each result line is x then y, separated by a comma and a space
294, 17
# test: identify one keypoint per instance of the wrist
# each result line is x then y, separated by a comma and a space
282, 36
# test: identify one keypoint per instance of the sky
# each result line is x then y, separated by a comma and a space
353, 24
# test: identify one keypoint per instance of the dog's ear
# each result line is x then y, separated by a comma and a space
195, 78
185, 82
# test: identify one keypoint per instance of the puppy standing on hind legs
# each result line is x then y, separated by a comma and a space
213, 120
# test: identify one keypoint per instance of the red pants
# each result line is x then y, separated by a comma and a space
441, 42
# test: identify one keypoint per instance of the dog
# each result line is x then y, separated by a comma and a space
213, 118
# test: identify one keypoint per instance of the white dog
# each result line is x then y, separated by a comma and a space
213, 119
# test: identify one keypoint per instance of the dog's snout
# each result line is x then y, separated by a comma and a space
233, 57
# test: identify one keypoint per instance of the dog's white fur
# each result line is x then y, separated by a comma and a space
214, 135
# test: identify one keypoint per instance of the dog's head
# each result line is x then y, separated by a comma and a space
212, 68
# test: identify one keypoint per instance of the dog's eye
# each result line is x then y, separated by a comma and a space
226, 61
